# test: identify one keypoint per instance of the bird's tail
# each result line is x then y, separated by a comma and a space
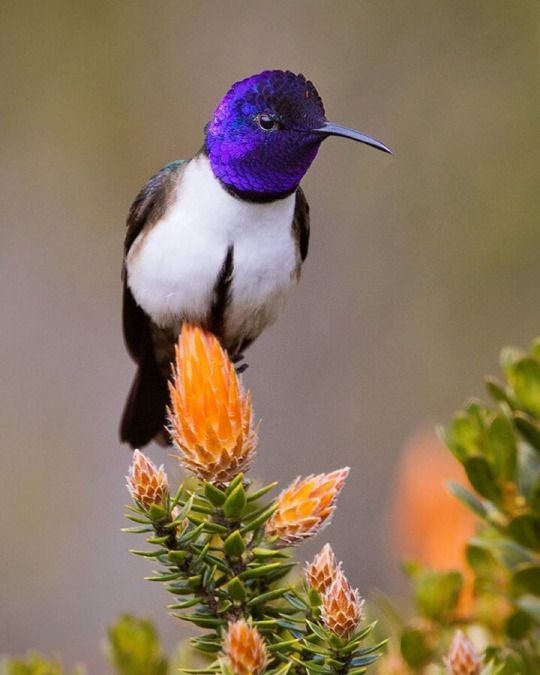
144, 414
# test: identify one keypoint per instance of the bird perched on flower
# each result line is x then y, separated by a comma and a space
219, 240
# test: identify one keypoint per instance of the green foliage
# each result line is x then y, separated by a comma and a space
216, 560
34, 664
133, 648
436, 594
213, 555
499, 448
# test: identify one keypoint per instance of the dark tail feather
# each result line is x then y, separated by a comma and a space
145, 410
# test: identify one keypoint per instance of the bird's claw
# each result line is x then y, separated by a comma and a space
238, 366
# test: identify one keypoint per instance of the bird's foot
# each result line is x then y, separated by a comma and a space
240, 367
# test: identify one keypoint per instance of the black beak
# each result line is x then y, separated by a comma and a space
331, 129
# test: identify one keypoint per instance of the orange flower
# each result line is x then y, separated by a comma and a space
429, 524
210, 417
342, 608
463, 659
323, 570
244, 649
305, 506
146, 483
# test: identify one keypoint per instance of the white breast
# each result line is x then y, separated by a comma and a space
173, 267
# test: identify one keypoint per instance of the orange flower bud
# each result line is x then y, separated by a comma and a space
305, 506
146, 483
342, 608
323, 570
244, 649
210, 416
463, 659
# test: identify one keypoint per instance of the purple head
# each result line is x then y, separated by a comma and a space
266, 132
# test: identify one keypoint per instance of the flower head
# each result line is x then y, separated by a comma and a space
428, 523
244, 649
342, 608
322, 571
210, 416
463, 659
305, 506
146, 483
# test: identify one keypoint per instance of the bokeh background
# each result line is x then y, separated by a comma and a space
421, 266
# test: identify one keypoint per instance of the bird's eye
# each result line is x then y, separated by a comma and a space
267, 122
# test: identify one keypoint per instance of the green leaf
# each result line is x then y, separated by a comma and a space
319, 631
528, 428
206, 645
467, 498
157, 540
527, 580
466, 434
311, 666
157, 513
414, 648
180, 588
534, 496
314, 598
266, 597
33, 664
524, 377
497, 391
149, 554
236, 481
163, 576
525, 529
314, 648
209, 575
214, 528
518, 624
259, 520
254, 496
235, 503
183, 513
260, 570
265, 553
177, 557
280, 572
214, 495
364, 660
296, 601
509, 357
507, 552
134, 649
503, 448
480, 558
236, 590
437, 593
482, 478
234, 545
186, 604
201, 620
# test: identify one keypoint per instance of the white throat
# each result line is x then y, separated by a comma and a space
173, 267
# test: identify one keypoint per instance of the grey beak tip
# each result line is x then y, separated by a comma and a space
333, 129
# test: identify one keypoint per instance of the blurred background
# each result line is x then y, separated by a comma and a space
421, 266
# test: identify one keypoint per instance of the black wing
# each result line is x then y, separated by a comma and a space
147, 209
300, 223
150, 203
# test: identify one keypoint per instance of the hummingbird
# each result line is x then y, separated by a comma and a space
219, 240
